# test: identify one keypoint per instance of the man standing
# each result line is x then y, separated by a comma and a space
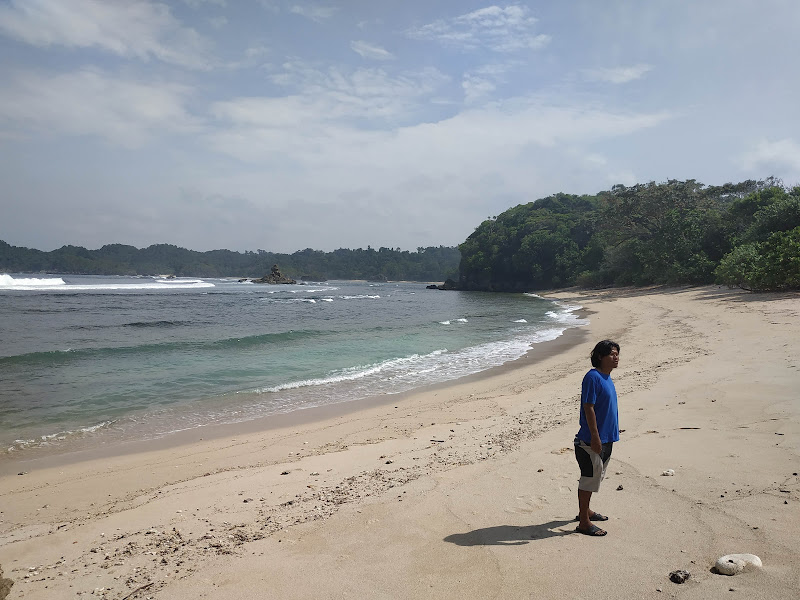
599, 429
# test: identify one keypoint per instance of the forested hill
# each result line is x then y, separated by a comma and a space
678, 232
426, 264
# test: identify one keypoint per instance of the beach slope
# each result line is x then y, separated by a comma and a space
466, 490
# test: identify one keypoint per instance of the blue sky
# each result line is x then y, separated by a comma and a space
285, 125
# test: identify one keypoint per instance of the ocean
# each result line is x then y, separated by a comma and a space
93, 360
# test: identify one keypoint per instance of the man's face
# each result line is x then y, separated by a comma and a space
610, 361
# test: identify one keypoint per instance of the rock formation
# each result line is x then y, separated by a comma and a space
274, 276
447, 285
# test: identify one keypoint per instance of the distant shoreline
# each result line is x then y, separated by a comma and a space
432, 263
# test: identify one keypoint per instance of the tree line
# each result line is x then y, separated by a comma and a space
677, 232
426, 264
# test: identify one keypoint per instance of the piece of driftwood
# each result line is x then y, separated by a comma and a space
137, 590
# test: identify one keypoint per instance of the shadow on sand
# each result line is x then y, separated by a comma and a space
509, 535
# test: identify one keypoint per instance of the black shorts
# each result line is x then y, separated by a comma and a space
592, 465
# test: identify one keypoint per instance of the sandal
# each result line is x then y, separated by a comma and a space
593, 530
595, 517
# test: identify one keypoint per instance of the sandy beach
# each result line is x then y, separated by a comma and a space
460, 491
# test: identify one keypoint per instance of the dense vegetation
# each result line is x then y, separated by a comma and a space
426, 264
678, 232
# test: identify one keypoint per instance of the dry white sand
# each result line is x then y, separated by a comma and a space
463, 491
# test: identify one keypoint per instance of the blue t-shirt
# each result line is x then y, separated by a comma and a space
598, 389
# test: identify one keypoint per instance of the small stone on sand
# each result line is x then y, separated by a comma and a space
733, 564
679, 576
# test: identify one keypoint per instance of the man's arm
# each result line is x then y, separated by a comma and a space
591, 421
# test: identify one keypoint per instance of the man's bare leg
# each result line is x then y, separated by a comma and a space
585, 513
584, 498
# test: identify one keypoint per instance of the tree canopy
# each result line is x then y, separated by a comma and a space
425, 264
676, 232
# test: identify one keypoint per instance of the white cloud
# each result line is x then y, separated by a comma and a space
476, 88
270, 6
779, 158
369, 23
480, 83
313, 133
252, 57
416, 178
336, 93
618, 74
367, 50
198, 3
91, 103
507, 29
315, 12
135, 28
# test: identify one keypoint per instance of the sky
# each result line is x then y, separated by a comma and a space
284, 125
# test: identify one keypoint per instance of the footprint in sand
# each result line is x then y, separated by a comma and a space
528, 504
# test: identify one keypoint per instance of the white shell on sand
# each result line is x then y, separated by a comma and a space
668, 473
733, 564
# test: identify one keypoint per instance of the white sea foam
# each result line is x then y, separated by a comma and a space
568, 307
135, 286
290, 300
49, 439
406, 373
351, 373
461, 321
26, 283
567, 316
178, 281
359, 297
58, 284
444, 322
521, 321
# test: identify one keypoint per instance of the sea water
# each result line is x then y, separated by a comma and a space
99, 359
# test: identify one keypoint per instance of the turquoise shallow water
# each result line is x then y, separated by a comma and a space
102, 359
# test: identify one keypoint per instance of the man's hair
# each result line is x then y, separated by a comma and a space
603, 349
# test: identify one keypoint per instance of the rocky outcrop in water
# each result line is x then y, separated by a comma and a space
274, 277
447, 285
